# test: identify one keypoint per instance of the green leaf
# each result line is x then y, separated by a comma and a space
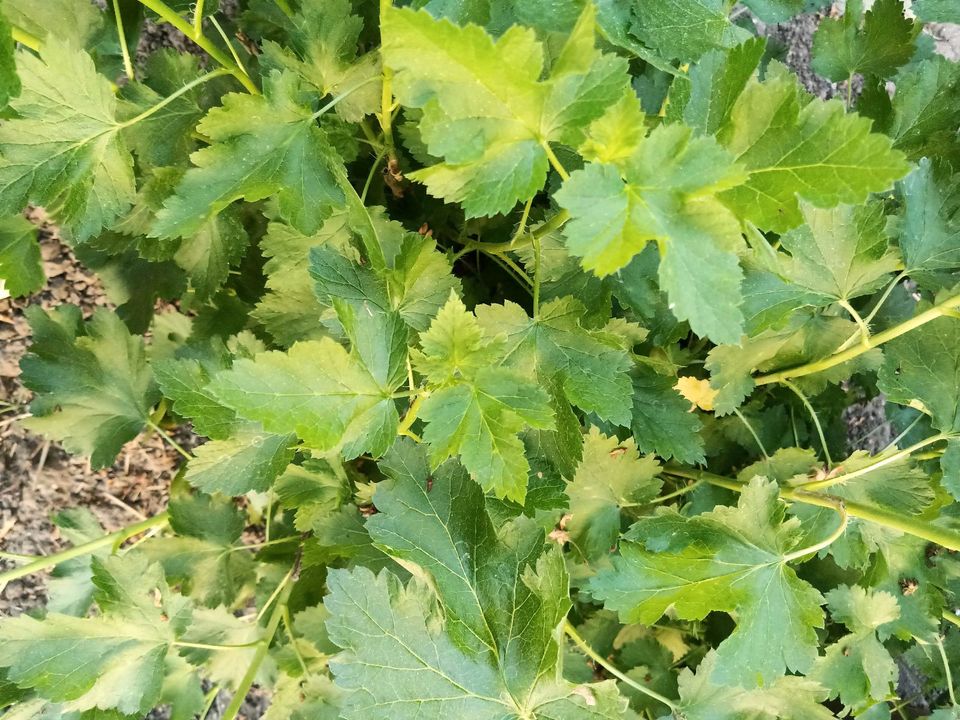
664, 192
478, 408
318, 391
930, 227
70, 22
592, 367
857, 668
314, 490
70, 589
249, 460
924, 109
324, 53
936, 11
923, 367
786, 698
715, 83
115, 661
166, 137
290, 309
64, 149
493, 652
204, 556
795, 147
486, 112
773, 11
729, 559
9, 80
685, 29
93, 388
185, 381
21, 267
803, 339
212, 250
262, 145
611, 475
849, 241
842, 47
662, 421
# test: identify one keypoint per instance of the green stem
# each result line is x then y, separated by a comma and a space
373, 171
209, 646
124, 50
753, 432
605, 664
515, 243
208, 701
816, 420
946, 671
169, 15
536, 278
173, 443
50, 561
949, 539
826, 542
226, 41
16, 557
951, 618
555, 161
244, 687
170, 98
677, 493
285, 8
882, 462
386, 92
864, 329
937, 311
876, 308
288, 626
198, 18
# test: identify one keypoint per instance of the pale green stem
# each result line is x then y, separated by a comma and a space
169, 15
864, 329
373, 171
124, 50
946, 537
169, 99
555, 161
826, 542
946, 671
883, 462
605, 664
813, 415
677, 493
336, 100
173, 443
288, 626
274, 595
837, 358
208, 701
752, 432
198, 18
876, 308
536, 278
50, 561
244, 687
386, 93
226, 41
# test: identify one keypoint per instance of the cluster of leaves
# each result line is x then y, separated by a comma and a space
520, 335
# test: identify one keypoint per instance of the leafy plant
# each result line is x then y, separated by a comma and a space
520, 336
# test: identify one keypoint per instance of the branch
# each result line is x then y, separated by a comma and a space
115, 538
949, 539
937, 311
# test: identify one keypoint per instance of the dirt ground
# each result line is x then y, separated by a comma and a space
37, 478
